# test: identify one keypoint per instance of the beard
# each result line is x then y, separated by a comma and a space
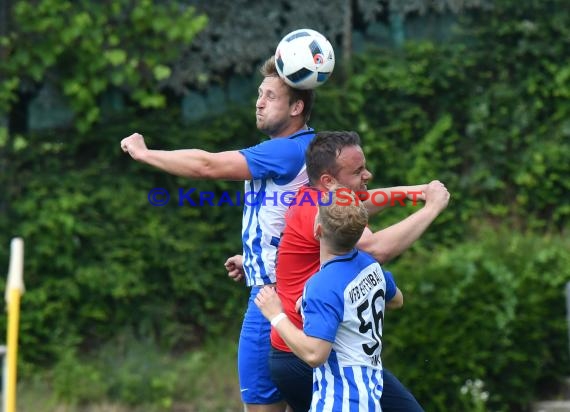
269, 128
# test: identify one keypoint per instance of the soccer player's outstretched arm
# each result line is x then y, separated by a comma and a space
380, 199
191, 163
388, 243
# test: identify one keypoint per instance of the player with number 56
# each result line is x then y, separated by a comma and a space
343, 313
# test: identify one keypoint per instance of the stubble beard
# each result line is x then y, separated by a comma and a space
267, 129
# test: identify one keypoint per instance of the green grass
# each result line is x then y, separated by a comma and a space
136, 377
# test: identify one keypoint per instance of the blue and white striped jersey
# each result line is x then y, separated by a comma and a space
344, 304
278, 170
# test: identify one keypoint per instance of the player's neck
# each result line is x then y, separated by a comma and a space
327, 252
289, 130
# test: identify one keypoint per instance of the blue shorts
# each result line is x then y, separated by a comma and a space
255, 383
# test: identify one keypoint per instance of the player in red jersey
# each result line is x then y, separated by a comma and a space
336, 159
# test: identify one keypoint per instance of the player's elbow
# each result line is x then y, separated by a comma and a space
378, 251
314, 351
207, 170
383, 254
314, 359
396, 302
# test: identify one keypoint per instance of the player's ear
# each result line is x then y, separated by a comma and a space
317, 228
328, 181
297, 108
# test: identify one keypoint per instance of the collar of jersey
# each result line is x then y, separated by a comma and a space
342, 258
310, 130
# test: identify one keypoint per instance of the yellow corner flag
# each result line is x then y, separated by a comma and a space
14, 290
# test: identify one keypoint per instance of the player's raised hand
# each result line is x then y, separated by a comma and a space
134, 145
234, 266
436, 195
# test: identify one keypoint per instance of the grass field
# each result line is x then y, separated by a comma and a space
139, 379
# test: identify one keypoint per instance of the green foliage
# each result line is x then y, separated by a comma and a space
100, 257
88, 47
139, 374
486, 113
492, 310
130, 374
136, 372
76, 382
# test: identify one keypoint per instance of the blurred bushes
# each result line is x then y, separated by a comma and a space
489, 310
100, 257
487, 113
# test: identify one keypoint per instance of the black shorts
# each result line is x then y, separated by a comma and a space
294, 379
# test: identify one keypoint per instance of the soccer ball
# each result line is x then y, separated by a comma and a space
304, 59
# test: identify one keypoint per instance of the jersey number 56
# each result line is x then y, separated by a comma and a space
372, 323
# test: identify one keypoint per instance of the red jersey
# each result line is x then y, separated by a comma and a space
298, 257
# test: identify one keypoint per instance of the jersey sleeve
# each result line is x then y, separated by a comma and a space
390, 285
279, 159
322, 311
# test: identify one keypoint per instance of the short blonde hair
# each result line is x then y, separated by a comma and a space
342, 222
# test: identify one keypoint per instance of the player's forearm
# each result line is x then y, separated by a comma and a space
397, 301
380, 199
302, 345
388, 243
191, 163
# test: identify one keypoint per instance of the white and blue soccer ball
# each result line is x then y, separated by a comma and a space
304, 59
